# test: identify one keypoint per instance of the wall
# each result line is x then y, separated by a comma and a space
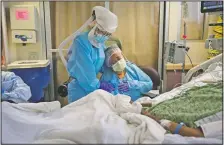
197, 51
30, 51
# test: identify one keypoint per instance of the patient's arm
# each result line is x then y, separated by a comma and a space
184, 131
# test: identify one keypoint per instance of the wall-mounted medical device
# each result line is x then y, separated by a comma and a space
23, 19
214, 43
175, 52
211, 6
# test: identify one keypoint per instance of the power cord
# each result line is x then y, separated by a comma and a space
189, 58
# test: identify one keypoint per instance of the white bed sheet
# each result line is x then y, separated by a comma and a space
99, 117
178, 139
212, 74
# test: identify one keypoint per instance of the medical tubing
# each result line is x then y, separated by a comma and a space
189, 58
72, 36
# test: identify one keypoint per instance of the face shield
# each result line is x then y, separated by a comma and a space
100, 31
97, 36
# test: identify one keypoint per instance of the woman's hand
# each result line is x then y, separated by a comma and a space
107, 86
123, 87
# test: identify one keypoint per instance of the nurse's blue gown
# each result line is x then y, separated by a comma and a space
84, 64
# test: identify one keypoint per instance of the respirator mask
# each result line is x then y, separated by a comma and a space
119, 66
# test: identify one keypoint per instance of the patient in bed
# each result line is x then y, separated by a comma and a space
123, 77
198, 112
212, 129
13, 89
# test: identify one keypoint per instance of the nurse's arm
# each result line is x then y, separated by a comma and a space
84, 67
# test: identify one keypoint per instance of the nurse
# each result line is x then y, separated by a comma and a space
87, 55
123, 77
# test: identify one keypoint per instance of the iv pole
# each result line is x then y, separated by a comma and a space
185, 12
184, 43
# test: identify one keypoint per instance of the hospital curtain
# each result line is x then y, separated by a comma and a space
2, 50
138, 30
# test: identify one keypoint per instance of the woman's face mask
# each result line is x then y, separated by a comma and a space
119, 66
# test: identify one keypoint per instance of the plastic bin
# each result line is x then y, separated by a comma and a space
35, 73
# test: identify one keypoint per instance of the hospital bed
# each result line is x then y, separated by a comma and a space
210, 73
199, 75
48, 123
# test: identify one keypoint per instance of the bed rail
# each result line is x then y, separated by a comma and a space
203, 66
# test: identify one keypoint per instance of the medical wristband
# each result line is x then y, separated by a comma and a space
177, 130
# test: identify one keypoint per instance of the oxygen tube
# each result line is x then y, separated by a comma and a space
71, 37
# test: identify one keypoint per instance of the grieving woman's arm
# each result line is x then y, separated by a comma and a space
142, 82
172, 127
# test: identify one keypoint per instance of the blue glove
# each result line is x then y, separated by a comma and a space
123, 87
107, 86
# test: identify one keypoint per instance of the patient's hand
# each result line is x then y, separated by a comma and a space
146, 113
146, 104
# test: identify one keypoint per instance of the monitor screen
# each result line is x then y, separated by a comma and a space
211, 6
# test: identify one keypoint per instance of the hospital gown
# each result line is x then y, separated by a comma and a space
137, 80
83, 66
14, 89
